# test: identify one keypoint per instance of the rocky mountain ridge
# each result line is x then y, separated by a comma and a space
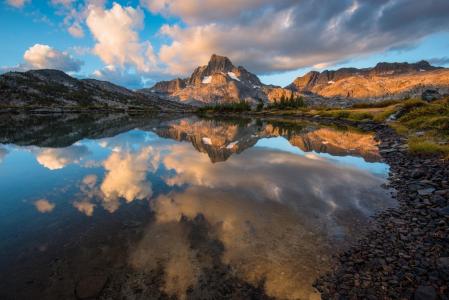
55, 90
384, 81
221, 82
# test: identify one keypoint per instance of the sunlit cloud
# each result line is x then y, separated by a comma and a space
85, 207
44, 57
115, 31
44, 206
125, 178
267, 36
17, 3
58, 158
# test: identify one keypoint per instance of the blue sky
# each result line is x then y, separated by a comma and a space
136, 43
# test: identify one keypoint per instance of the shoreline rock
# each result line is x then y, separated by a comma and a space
404, 255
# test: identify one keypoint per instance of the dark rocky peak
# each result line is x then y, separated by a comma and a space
385, 68
53, 75
222, 64
168, 87
218, 63
107, 86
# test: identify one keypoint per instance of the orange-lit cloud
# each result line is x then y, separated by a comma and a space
44, 206
85, 207
58, 158
126, 176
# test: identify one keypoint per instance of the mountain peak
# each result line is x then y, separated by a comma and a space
218, 63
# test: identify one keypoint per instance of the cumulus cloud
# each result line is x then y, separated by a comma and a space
85, 207
126, 176
115, 31
17, 3
76, 30
58, 158
268, 36
271, 230
44, 206
45, 57
119, 76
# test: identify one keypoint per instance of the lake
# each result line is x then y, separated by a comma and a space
142, 207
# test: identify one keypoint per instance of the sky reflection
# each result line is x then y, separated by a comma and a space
273, 201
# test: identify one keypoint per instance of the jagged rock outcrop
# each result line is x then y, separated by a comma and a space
218, 82
384, 81
55, 90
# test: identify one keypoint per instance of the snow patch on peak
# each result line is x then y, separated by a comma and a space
207, 79
206, 141
233, 76
231, 145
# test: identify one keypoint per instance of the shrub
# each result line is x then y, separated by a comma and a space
291, 103
226, 107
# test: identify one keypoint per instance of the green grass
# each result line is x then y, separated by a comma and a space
376, 104
426, 146
426, 125
346, 114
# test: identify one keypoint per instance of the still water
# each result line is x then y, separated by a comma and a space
134, 207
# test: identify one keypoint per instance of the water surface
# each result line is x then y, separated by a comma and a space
145, 207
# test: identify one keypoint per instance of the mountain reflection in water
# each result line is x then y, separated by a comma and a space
188, 207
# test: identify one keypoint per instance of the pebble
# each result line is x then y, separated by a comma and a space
90, 286
425, 293
406, 253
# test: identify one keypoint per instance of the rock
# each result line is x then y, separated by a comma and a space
443, 262
425, 293
416, 174
91, 286
430, 95
444, 211
426, 191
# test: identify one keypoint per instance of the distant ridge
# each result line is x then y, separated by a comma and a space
55, 90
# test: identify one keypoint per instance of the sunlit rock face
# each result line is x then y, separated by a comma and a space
219, 82
385, 80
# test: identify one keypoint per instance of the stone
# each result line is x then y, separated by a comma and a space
425, 293
90, 286
444, 211
426, 191
443, 262
418, 174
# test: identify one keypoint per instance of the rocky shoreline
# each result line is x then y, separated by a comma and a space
406, 253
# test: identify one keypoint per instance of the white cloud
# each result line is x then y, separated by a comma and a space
122, 77
76, 30
17, 3
115, 31
126, 177
58, 158
45, 57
